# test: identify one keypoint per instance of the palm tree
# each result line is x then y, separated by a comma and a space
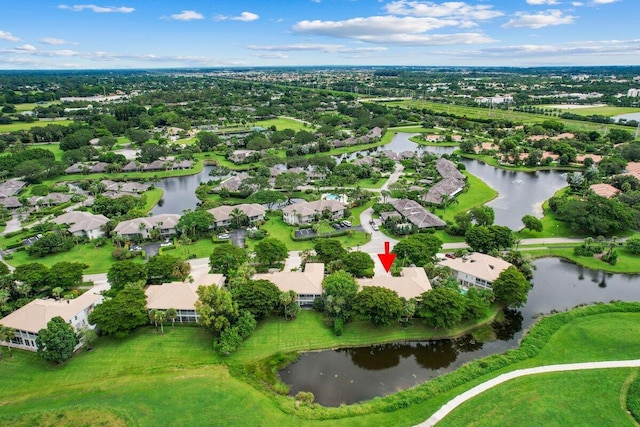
385, 195
56, 292
153, 318
171, 314
159, 319
6, 335
237, 217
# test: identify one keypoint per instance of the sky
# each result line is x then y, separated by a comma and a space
120, 34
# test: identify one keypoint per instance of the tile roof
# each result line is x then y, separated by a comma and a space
415, 213
307, 282
479, 265
412, 283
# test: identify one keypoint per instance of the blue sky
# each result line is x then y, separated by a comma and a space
38, 34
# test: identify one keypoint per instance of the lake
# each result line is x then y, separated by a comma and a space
357, 374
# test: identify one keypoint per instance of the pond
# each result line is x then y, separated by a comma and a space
180, 192
357, 374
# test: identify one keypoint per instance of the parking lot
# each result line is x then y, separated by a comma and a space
307, 232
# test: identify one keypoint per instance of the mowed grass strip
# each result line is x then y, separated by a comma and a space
581, 398
13, 127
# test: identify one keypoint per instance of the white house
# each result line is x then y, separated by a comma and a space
307, 284
83, 224
306, 212
253, 211
141, 227
476, 269
28, 320
411, 283
182, 296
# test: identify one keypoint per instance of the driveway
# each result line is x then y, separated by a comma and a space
151, 249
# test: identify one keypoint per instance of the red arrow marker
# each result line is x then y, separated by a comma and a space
386, 258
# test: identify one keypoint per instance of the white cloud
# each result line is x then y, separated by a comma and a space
97, 9
52, 41
542, 2
26, 48
187, 15
539, 20
603, 1
447, 9
5, 35
271, 55
577, 3
327, 48
244, 16
393, 30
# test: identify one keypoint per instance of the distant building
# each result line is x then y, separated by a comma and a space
604, 190
222, 214
141, 227
83, 224
416, 214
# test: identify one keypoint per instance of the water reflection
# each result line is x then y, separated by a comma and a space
352, 375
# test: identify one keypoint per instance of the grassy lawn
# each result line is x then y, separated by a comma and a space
134, 381
54, 147
282, 123
29, 106
607, 111
153, 196
13, 127
98, 259
278, 229
583, 398
627, 262
486, 113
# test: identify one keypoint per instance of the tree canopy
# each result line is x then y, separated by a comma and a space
216, 308
125, 273
380, 305
259, 297
225, 259
121, 314
56, 342
511, 287
442, 307
418, 249
271, 251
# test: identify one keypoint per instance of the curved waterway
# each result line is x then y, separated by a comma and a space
346, 376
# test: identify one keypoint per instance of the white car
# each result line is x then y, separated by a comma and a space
223, 236
375, 227
346, 223
165, 244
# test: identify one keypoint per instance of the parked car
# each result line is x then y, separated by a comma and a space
336, 226
135, 248
223, 236
452, 256
375, 227
165, 244
346, 223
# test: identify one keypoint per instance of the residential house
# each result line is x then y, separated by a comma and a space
416, 214
99, 167
307, 284
224, 217
157, 165
11, 187
83, 224
448, 169
28, 320
51, 199
242, 156
77, 168
125, 187
133, 167
306, 212
604, 190
448, 187
182, 296
10, 202
232, 184
142, 227
411, 283
476, 269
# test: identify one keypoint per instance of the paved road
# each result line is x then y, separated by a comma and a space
457, 401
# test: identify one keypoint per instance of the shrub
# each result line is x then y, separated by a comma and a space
338, 326
633, 399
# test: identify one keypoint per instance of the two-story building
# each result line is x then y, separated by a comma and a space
476, 269
306, 212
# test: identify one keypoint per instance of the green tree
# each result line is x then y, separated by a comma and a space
119, 315
166, 268
328, 250
532, 223
66, 275
482, 215
34, 275
442, 307
225, 259
289, 304
359, 264
418, 249
381, 306
477, 303
267, 197
56, 342
259, 297
633, 244
6, 335
171, 314
270, 251
196, 223
125, 273
290, 181
511, 287
32, 171
339, 292
488, 238
216, 308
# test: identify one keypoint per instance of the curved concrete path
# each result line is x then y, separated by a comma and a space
458, 400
